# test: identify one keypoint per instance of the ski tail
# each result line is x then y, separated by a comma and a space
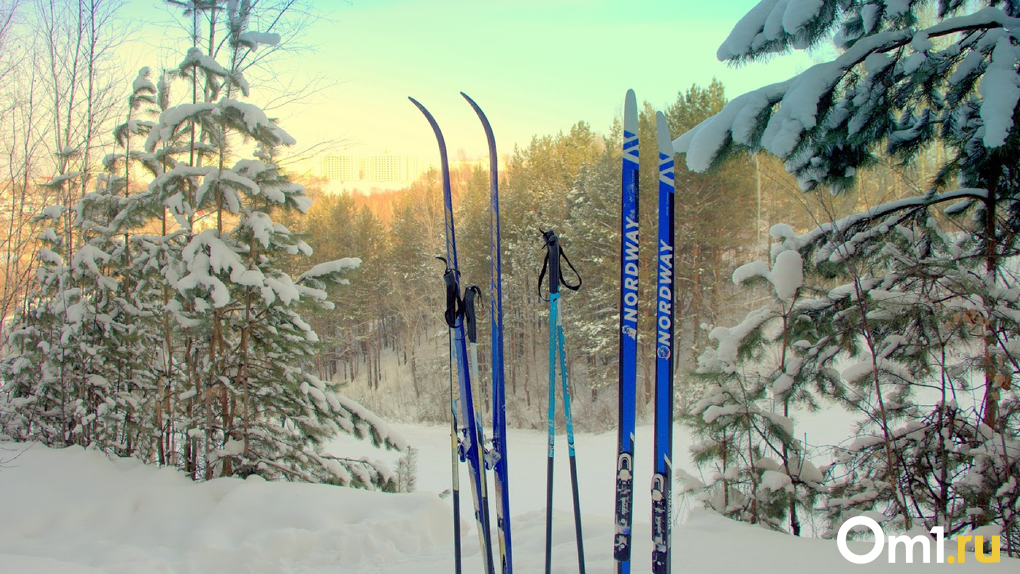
472, 440
628, 335
499, 443
661, 491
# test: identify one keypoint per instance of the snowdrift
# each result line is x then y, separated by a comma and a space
73, 511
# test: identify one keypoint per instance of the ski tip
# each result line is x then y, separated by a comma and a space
481, 114
630, 114
665, 142
477, 109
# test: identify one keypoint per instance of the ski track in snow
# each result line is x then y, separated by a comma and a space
75, 512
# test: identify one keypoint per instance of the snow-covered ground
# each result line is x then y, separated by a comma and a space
76, 512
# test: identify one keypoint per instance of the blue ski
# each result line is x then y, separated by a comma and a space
628, 335
498, 456
472, 440
661, 491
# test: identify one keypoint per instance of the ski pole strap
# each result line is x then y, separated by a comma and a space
469, 312
553, 265
454, 305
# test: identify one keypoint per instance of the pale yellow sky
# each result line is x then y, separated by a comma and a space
535, 66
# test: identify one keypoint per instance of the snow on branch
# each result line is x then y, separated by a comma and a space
255, 39
843, 227
794, 119
330, 268
1000, 92
197, 58
171, 120
255, 120
773, 25
142, 82
799, 102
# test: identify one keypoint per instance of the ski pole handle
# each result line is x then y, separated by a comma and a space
552, 260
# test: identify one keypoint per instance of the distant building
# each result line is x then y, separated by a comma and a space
342, 168
383, 169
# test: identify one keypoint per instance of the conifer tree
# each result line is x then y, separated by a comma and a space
915, 299
186, 346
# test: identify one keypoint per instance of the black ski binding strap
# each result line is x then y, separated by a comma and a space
454, 304
470, 317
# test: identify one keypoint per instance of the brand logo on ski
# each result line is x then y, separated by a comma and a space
630, 277
664, 321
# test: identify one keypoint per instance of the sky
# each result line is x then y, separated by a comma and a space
536, 67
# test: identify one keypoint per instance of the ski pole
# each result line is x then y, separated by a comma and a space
454, 459
471, 326
450, 316
557, 341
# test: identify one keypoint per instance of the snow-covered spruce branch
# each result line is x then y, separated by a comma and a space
845, 105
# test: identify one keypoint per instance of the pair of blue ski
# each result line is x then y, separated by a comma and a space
663, 444
467, 434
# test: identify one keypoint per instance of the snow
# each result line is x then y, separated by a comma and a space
255, 39
196, 57
142, 82
1000, 92
799, 13
330, 267
787, 274
921, 43
744, 35
782, 384
749, 271
767, 23
799, 99
170, 120
255, 119
871, 15
775, 481
858, 371
738, 120
895, 8
73, 511
730, 339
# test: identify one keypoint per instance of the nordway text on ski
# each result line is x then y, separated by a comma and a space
630, 280
665, 300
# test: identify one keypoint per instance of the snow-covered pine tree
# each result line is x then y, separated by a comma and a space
201, 364
594, 225
37, 398
757, 371
924, 306
248, 405
74, 362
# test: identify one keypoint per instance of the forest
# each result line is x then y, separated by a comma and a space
844, 239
